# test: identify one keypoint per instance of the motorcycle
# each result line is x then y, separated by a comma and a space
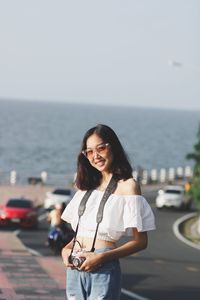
58, 238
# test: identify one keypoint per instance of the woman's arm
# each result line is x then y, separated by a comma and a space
135, 245
66, 251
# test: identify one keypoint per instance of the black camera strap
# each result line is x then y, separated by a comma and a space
109, 190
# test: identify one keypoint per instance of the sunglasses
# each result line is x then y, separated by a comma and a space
100, 149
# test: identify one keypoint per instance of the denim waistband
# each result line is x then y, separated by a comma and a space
103, 249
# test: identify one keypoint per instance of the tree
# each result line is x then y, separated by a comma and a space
195, 187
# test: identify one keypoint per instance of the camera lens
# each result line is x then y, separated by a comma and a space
77, 261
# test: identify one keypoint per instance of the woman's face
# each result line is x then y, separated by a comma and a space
98, 153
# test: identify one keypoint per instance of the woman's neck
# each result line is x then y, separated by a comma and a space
106, 177
105, 180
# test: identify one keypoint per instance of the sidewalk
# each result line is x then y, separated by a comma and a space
27, 277
189, 228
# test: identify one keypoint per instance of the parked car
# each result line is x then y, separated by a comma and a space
57, 196
172, 196
20, 212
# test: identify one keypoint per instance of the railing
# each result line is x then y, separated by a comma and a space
153, 176
163, 175
44, 178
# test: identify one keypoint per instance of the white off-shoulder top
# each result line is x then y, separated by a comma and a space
121, 213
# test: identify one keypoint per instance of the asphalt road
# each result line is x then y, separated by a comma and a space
167, 270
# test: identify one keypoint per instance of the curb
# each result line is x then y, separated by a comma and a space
177, 233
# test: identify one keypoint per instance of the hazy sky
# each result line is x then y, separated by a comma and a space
104, 51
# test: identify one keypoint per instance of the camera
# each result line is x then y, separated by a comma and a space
76, 260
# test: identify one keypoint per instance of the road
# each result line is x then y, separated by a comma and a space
167, 269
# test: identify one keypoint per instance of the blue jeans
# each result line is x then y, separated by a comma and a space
102, 284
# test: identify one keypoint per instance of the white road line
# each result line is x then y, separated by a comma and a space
43, 216
34, 252
177, 233
133, 295
17, 232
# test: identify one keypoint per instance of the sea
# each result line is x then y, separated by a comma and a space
44, 136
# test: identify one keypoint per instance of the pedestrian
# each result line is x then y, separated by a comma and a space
187, 186
92, 257
54, 216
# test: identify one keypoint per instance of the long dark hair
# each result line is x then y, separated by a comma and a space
89, 177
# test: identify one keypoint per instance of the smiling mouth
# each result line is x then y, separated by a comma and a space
99, 162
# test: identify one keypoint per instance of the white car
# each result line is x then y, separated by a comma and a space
58, 196
171, 196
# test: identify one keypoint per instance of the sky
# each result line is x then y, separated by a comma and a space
130, 52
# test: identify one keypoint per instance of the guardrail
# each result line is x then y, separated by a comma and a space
23, 178
163, 175
152, 176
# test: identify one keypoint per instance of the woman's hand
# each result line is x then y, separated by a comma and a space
66, 251
92, 261
65, 256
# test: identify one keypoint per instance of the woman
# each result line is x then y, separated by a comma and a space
126, 212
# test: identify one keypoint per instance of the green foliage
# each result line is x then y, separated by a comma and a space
195, 191
195, 155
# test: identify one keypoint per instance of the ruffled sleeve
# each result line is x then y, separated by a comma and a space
138, 214
124, 212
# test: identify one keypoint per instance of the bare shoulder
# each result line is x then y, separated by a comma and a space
128, 187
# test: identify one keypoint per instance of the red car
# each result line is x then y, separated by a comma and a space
20, 212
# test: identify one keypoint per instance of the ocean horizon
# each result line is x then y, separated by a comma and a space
46, 136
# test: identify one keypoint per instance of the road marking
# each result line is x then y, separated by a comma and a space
192, 269
43, 217
159, 261
17, 232
133, 295
135, 254
34, 252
